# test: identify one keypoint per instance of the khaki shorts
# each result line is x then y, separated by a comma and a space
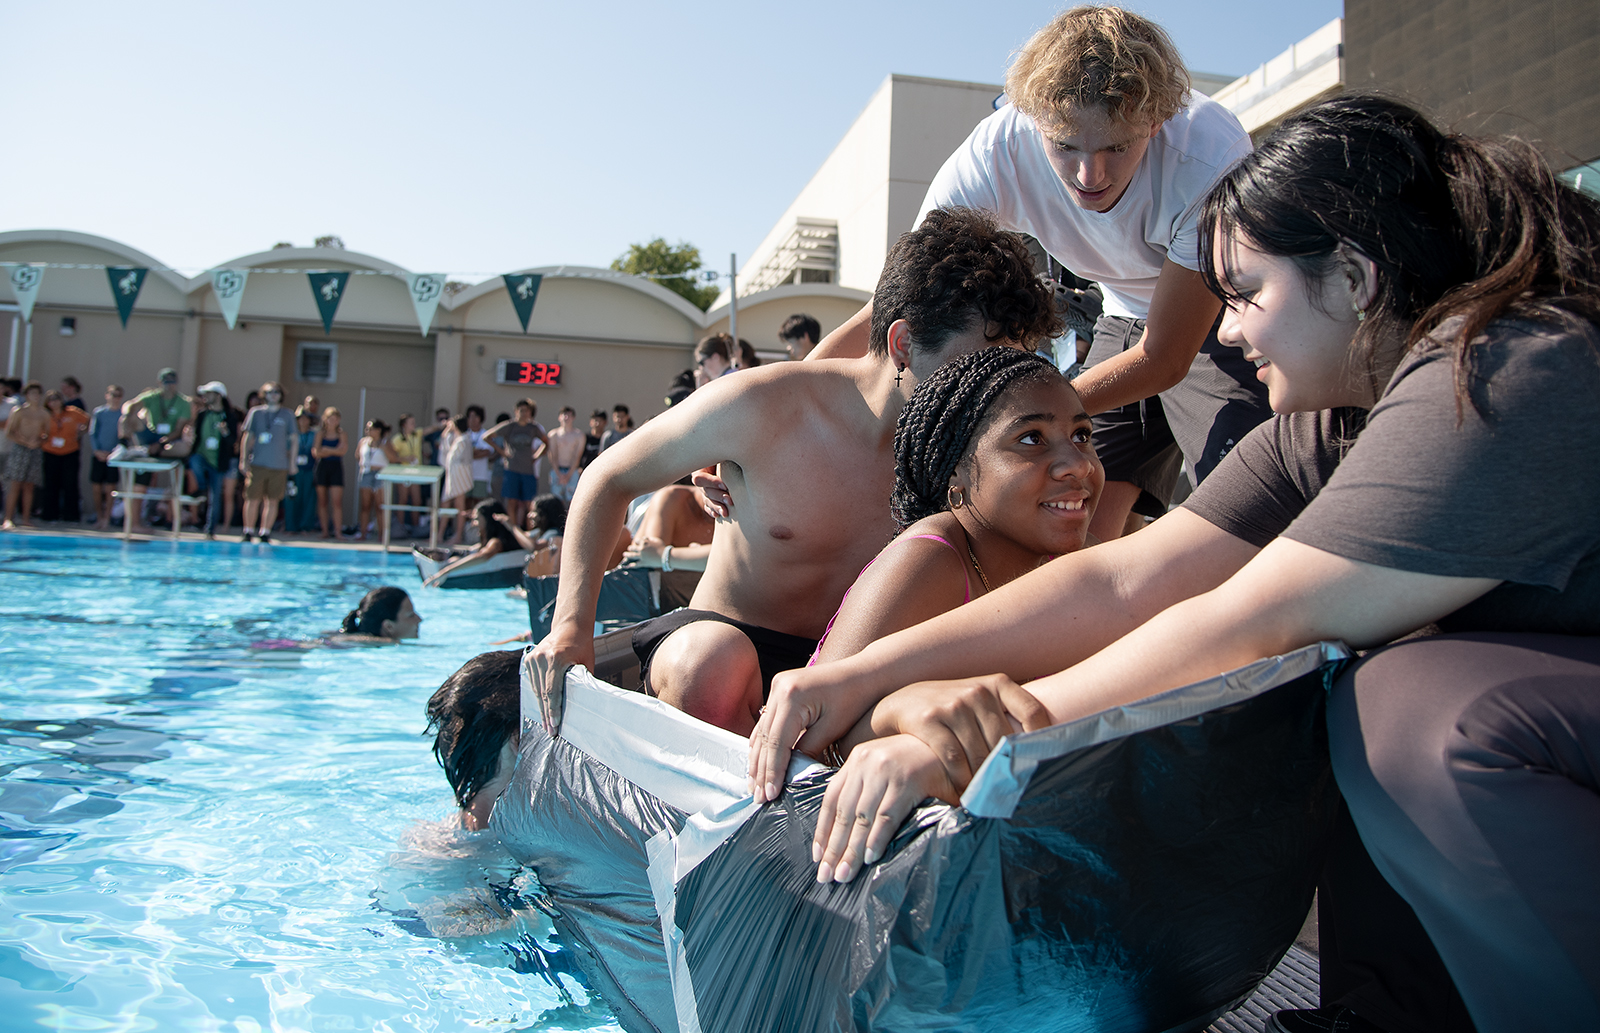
265, 483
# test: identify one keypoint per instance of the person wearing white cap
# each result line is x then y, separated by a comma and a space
215, 459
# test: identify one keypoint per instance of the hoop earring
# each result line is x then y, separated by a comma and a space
955, 497
898, 370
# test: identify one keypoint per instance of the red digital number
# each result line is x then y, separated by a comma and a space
538, 374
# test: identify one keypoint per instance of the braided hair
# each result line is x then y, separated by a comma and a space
935, 431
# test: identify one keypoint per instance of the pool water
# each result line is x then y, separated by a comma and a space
198, 834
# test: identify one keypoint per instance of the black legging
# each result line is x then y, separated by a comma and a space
1471, 766
60, 501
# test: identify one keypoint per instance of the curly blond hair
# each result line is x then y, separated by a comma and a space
1098, 56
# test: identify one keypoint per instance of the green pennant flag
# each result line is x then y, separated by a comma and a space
524, 288
328, 289
126, 282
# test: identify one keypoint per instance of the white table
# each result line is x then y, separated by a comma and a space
132, 496
399, 473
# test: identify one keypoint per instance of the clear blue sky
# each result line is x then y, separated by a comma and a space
476, 138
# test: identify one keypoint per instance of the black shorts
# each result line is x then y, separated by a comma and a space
1198, 420
329, 472
101, 472
775, 650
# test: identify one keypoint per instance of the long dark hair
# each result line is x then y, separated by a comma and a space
471, 716
936, 428
549, 514
377, 606
1456, 226
484, 513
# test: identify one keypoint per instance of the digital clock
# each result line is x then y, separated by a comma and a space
528, 374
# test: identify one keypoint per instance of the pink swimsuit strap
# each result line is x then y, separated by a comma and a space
965, 577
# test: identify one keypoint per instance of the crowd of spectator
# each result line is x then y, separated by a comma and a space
269, 467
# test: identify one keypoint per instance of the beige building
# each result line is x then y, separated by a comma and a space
617, 338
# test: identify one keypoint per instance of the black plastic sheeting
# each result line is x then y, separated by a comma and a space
1148, 883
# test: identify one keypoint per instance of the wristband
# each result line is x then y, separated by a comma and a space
666, 559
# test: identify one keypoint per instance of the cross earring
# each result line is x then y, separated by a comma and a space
898, 370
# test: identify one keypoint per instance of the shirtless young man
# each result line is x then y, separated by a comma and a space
24, 471
566, 450
807, 451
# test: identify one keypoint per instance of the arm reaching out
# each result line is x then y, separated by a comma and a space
1043, 622
1181, 314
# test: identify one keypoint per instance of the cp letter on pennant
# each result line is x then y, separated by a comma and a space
25, 280
328, 289
426, 290
228, 285
524, 288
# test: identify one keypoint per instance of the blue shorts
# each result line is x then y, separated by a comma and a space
520, 486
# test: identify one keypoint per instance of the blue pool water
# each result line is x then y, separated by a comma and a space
195, 834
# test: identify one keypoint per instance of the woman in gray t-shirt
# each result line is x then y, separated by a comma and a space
1422, 309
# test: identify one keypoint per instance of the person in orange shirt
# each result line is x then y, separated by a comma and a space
63, 439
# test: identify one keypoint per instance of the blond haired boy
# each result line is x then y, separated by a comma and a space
1103, 155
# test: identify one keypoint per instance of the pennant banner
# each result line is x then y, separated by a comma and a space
228, 286
426, 290
328, 288
25, 280
524, 288
126, 283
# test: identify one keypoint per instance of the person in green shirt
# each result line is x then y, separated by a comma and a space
215, 460
159, 415
158, 418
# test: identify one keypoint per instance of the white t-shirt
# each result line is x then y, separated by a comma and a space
1002, 169
8, 405
480, 466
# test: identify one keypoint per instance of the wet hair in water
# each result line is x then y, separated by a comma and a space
471, 716
377, 606
936, 428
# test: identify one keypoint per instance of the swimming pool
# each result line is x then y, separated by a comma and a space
201, 835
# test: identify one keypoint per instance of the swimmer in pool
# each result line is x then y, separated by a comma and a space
382, 618
474, 718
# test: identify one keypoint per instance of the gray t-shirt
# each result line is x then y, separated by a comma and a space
269, 432
520, 439
1513, 494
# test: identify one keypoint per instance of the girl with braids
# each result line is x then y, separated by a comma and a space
1423, 310
995, 473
